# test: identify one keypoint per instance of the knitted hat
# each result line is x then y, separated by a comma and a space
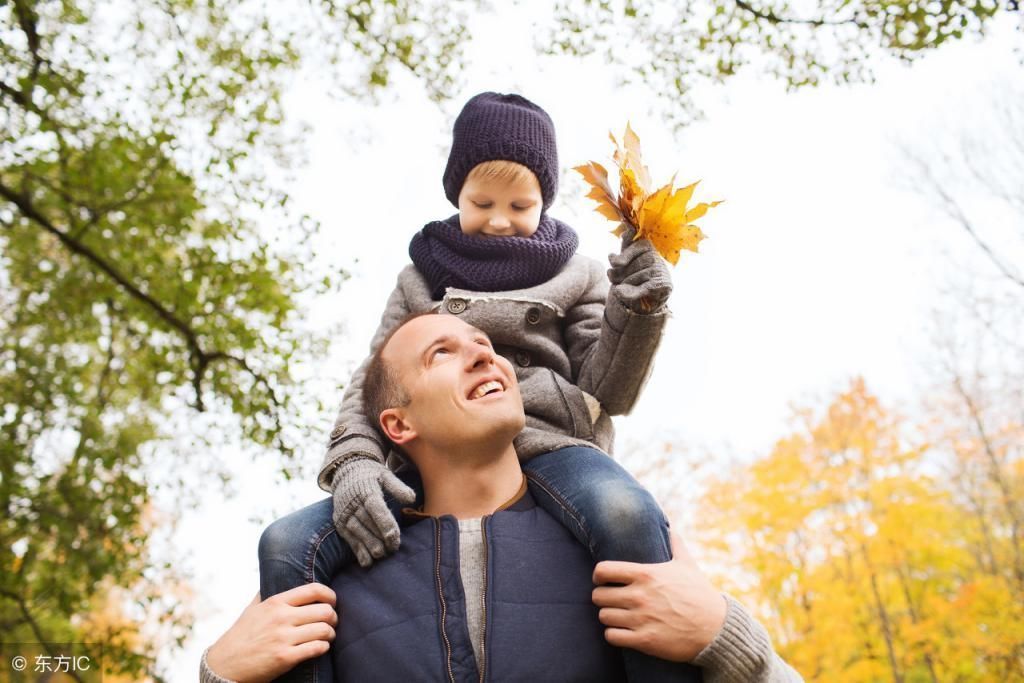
493, 126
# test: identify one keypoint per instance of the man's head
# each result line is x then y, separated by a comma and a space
437, 385
493, 127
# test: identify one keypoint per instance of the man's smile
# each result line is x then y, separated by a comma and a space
488, 386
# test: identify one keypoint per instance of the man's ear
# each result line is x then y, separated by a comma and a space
395, 426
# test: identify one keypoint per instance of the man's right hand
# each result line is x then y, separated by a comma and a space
271, 637
361, 516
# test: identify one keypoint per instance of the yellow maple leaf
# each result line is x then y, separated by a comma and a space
664, 216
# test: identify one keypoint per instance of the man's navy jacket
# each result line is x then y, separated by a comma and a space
404, 619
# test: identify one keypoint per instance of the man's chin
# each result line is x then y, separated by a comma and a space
497, 433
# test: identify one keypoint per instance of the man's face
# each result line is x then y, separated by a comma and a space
500, 208
462, 395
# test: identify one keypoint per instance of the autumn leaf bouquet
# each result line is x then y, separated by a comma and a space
664, 216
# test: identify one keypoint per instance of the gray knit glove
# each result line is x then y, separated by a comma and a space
639, 275
361, 516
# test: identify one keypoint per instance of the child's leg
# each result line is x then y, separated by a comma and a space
615, 518
601, 503
301, 548
304, 547
297, 549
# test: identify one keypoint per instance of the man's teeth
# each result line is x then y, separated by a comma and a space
487, 387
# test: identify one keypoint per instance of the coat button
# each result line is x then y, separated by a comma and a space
456, 306
533, 315
522, 358
337, 431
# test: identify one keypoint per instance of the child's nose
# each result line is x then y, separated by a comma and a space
500, 221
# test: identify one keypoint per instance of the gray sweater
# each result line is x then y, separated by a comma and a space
580, 356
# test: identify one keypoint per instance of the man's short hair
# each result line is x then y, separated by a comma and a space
382, 388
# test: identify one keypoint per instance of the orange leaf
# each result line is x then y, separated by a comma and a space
665, 216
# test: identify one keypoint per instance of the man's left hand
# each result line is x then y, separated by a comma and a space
668, 610
273, 636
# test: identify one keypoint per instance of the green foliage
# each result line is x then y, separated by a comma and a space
134, 284
675, 46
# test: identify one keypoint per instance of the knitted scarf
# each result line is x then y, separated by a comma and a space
447, 257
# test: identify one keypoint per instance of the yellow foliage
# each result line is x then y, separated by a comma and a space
863, 559
664, 216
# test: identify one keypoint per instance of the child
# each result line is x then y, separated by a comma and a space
582, 352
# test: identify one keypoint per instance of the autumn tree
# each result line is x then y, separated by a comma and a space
862, 556
140, 142
675, 47
968, 176
137, 288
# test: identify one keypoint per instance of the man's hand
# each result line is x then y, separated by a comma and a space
640, 277
668, 610
273, 636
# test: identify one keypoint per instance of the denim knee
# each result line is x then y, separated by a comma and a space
624, 510
292, 535
282, 539
625, 523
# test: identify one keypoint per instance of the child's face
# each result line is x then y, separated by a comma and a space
500, 208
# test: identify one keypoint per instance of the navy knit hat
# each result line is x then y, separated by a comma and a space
493, 126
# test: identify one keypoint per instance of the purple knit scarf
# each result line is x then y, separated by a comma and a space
447, 257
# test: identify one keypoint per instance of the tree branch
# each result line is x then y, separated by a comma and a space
27, 21
997, 477
191, 339
957, 214
36, 630
772, 18
199, 359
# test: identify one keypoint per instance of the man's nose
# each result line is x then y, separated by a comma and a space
479, 355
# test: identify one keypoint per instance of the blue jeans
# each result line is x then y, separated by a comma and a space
304, 547
604, 507
615, 518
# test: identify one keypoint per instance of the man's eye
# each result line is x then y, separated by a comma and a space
521, 208
482, 206
438, 350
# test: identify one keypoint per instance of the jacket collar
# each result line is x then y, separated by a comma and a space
518, 501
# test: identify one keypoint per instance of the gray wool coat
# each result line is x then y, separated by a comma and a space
580, 356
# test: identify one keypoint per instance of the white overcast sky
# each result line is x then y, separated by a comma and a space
820, 266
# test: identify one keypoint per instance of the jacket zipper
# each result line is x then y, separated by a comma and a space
440, 594
483, 600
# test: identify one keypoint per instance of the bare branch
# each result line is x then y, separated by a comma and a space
997, 477
955, 212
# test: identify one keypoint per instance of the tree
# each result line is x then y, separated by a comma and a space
138, 290
967, 176
862, 557
136, 282
675, 47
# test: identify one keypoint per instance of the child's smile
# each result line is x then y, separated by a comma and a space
500, 208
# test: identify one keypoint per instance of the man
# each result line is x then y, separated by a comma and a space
485, 584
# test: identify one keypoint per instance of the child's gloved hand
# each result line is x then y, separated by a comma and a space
639, 275
361, 516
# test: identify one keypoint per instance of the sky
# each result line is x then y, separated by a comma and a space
824, 263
